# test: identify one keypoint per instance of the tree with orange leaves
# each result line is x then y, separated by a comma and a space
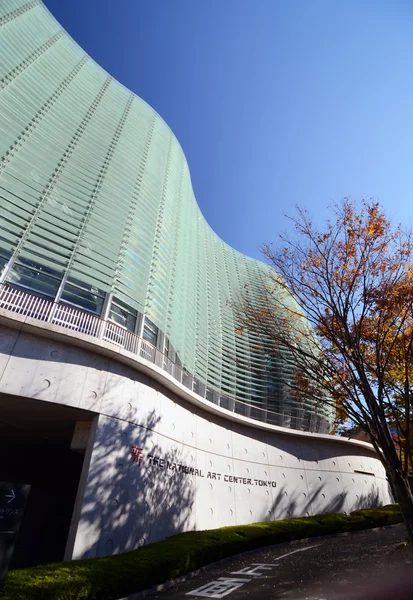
341, 303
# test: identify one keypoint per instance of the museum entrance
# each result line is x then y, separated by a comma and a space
40, 445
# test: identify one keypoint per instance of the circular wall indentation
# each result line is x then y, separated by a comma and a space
268, 493
281, 457
247, 470
210, 463
323, 495
114, 503
45, 384
302, 476
173, 427
93, 395
249, 490
283, 474
349, 464
265, 474
142, 541
288, 513
229, 467
54, 354
307, 514
305, 495
250, 513
210, 486
246, 451
285, 494
334, 462
229, 488
192, 434
338, 479
119, 467
319, 478
231, 512
210, 441
211, 512
228, 446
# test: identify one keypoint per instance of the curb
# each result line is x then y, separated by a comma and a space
161, 587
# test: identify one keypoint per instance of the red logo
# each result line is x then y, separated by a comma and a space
136, 455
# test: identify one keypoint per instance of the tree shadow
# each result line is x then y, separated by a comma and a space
131, 502
131, 498
284, 506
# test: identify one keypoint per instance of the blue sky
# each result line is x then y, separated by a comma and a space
275, 102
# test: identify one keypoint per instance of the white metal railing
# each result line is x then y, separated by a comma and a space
75, 319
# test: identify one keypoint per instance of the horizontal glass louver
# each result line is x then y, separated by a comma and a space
97, 210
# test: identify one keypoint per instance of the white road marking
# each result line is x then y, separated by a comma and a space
226, 585
255, 570
295, 551
219, 588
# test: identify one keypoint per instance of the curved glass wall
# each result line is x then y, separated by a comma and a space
98, 212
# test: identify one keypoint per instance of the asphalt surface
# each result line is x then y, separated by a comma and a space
368, 565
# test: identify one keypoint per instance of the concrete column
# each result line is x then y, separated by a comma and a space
81, 490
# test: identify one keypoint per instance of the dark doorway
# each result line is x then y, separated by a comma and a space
35, 440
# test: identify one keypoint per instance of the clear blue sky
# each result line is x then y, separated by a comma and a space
275, 102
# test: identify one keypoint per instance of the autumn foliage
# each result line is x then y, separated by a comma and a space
341, 302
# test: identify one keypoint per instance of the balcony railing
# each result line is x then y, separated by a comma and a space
44, 310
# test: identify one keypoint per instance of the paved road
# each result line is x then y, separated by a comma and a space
359, 566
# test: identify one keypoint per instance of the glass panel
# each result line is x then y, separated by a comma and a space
150, 332
195, 386
38, 266
225, 402
122, 315
4, 259
33, 281
86, 299
209, 395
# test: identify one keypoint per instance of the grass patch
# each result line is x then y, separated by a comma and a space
113, 577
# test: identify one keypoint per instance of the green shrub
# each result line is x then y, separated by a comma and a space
112, 577
381, 516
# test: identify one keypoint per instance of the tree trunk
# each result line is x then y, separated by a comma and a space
404, 497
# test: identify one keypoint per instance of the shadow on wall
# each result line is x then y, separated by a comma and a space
295, 507
131, 502
128, 501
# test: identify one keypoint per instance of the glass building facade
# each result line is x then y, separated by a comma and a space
97, 212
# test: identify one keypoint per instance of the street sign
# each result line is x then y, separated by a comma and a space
13, 497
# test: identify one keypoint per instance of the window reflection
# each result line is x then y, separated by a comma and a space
150, 332
123, 315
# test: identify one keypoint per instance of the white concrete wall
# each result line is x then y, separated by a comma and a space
122, 504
